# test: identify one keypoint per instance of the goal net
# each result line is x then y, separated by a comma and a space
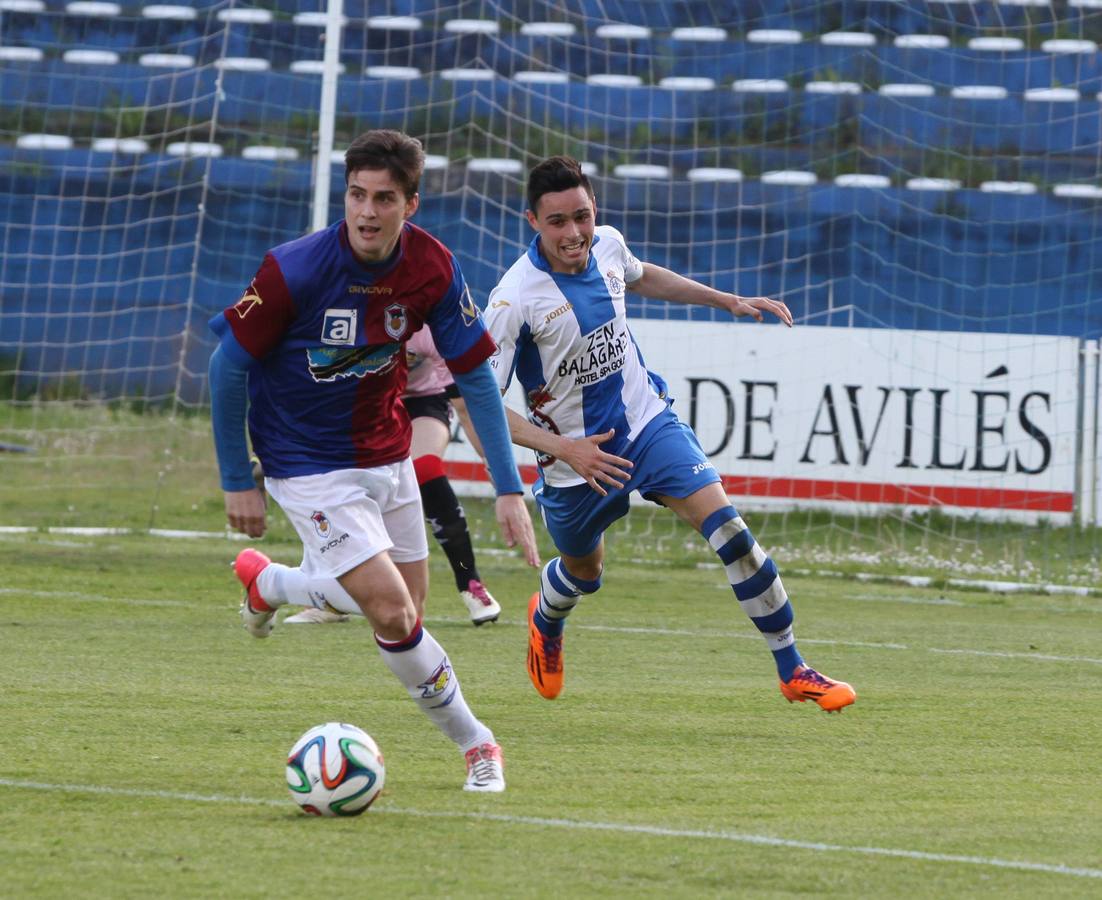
918, 182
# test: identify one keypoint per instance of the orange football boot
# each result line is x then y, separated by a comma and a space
807, 684
544, 656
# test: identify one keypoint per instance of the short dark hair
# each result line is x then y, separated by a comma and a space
556, 173
401, 155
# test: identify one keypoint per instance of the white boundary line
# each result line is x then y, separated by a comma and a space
987, 585
581, 825
612, 629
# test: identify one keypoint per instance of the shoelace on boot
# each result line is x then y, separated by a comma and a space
477, 589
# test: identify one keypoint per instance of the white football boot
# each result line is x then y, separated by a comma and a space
480, 603
314, 616
485, 769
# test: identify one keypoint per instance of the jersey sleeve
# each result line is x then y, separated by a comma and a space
505, 320
457, 326
257, 322
633, 268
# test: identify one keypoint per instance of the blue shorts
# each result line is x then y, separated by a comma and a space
668, 461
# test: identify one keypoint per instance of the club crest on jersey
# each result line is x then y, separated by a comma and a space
321, 523
394, 320
437, 682
339, 327
467, 309
615, 283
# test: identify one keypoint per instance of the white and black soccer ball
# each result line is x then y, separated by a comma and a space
335, 770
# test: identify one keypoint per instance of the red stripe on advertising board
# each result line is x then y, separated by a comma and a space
848, 491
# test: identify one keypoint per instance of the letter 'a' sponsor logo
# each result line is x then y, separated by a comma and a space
339, 327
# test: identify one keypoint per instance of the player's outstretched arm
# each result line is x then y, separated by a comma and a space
460, 407
583, 455
245, 506
663, 284
479, 390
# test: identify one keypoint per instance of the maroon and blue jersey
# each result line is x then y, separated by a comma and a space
323, 336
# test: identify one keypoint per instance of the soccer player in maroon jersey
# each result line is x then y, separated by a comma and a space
315, 351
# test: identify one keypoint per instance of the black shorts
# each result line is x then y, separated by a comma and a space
432, 406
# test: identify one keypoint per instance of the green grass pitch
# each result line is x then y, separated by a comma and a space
144, 735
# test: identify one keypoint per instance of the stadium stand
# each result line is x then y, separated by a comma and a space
889, 153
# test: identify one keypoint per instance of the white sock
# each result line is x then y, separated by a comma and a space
279, 584
421, 664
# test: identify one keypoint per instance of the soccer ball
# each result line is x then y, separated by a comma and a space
335, 770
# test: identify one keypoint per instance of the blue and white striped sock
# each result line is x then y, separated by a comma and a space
754, 579
559, 594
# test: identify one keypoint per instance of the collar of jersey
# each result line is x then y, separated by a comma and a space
540, 261
374, 271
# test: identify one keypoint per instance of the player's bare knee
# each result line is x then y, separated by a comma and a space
393, 621
585, 569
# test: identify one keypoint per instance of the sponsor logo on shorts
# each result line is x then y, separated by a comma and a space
321, 523
437, 682
336, 542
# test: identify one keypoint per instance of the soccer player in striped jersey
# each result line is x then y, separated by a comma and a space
602, 426
315, 350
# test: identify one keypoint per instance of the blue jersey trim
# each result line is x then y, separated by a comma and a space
229, 343
228, 403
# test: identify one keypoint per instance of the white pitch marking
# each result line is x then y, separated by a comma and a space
1012, 655
582, 825
614, 629
95, 598
918, 601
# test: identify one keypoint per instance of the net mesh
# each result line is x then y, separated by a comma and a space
879, 166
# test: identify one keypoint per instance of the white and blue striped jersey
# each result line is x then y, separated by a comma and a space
566, 338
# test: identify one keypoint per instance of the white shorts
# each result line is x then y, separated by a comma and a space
348, 516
